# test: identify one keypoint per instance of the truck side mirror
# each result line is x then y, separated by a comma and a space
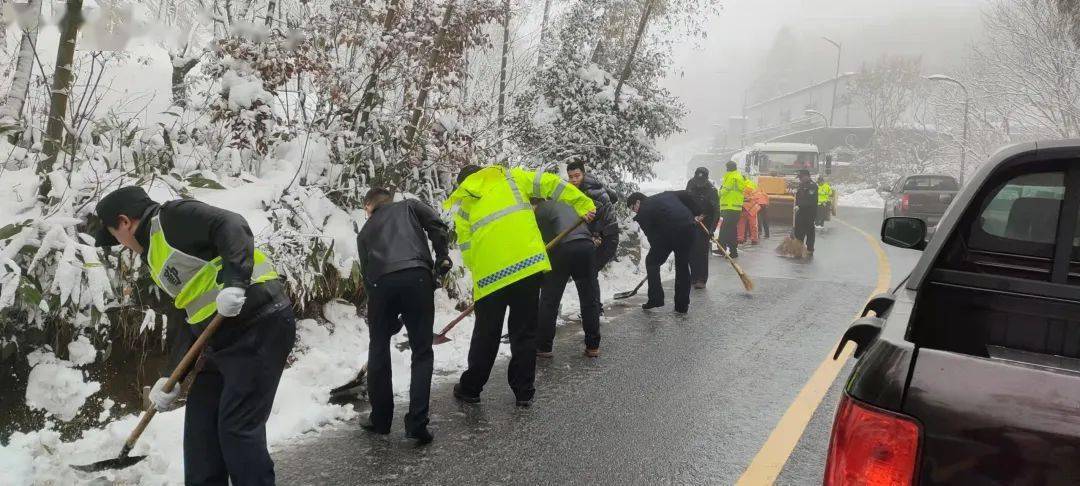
904, 232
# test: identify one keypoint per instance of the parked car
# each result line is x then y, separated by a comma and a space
920, 196
969, 371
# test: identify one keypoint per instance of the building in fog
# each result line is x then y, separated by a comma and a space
786, 113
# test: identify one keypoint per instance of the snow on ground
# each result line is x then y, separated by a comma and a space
55, 386
862, 198
327, 354
81, 352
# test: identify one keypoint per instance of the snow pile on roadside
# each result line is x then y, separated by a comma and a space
327, 354
863, 198
56, 387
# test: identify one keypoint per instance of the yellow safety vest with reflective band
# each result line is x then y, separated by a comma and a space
496, 228
192, 281
731, 191
824, 193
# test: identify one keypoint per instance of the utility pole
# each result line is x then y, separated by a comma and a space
836, 78
967, 109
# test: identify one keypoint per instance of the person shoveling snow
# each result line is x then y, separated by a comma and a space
205, 259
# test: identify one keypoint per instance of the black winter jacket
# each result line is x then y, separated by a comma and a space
606, 223
554, 217
207, 232
667, 213
806, 196
707, 197
393, 239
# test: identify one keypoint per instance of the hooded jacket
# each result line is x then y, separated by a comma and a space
705, 192
606, 223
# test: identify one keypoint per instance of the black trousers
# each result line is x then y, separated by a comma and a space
729, 230
822, 214
680, 242
699, 254
763, 221
405, 297
804, 227
230, 401
521, 298
605, 254
573, 259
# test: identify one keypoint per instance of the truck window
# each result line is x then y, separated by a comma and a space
1021, 218
931, 183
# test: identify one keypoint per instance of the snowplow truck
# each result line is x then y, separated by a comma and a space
774, 167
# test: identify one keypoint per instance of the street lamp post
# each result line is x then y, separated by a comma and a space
836, 78
967, 108
818, 113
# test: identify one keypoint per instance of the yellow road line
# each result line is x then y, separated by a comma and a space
770, 460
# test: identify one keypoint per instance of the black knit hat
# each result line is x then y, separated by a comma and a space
131, 201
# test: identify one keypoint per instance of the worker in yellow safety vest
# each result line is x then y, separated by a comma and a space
731, 207
502, 247
204, 258
825, 196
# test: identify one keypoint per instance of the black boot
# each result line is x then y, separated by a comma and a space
461, 395
370, 427
651, 305
422, 436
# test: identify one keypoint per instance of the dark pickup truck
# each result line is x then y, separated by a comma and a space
920, 196
969, 371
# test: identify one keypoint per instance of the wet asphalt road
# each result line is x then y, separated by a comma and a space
672, 399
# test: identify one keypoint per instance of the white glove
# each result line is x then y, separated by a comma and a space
162, 401
230, 300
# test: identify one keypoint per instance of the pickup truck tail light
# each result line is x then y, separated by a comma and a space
871, 446
905, 202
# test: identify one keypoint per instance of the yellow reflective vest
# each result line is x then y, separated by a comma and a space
731, 191
192, 281
824, 193
496, 228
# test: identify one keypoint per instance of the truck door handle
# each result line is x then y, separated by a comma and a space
863, 332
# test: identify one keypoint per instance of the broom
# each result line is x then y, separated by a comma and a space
747, 283
791, 246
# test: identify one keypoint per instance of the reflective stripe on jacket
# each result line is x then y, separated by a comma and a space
191, 281
496, 228
731, 191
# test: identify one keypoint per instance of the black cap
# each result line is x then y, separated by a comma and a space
701, 172
803, 172
128, 200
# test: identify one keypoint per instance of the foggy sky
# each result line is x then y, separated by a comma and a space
711, 75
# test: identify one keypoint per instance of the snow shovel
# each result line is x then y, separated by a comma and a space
441, 338
747, 283
124, 459
630, 293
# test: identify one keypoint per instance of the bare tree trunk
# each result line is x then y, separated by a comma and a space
543, 34
24, 67
502, 69
633, 50
364, 108
270, 12
425, 82
180, 68
61, 89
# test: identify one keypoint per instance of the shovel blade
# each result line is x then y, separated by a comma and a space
115, 463
625, 295
440, 339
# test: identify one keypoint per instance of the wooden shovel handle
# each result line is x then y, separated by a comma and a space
178, 373
468, 310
